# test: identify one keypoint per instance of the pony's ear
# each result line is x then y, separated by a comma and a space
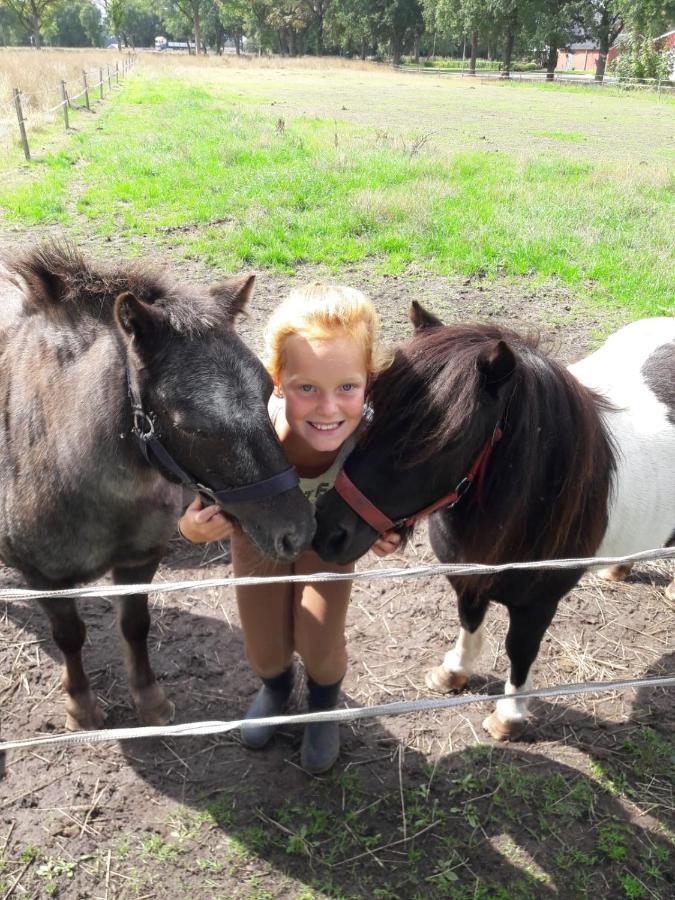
233, 294
422, 318
497, 364
136, 320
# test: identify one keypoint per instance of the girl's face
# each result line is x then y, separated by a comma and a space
324, 383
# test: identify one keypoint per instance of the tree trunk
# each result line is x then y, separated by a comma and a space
198, 33
395, 49
363, 48
552, 60
236, 37
35, 31
508, 44
474, 52
417, 49
602, 57
604, 40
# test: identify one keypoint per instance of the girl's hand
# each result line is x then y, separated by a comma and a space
386, 543
200, 524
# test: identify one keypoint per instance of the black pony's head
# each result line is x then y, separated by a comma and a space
206, 390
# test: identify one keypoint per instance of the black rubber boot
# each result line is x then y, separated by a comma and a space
270, 700
321, 740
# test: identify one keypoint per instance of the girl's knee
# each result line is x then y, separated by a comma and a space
267, 662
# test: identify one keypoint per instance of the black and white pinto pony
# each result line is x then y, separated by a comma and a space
115, 384
516, 458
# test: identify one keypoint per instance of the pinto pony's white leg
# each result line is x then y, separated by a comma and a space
509, 719
458, 663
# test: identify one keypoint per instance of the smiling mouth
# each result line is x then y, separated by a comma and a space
325, 426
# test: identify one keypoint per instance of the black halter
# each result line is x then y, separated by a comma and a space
157, 456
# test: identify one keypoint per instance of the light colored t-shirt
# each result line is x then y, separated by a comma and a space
313, 488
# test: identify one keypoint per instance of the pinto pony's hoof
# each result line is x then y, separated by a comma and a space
615, 573
670, 591
83, 712
153, 706
440, 679
501, 730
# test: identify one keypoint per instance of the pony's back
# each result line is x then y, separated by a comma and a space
635, 371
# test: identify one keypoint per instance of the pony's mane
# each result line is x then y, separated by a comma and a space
555, 455
430, 389
58, 283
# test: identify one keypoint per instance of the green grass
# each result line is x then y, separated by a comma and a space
198, 167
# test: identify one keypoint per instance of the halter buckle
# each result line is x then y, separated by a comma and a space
143, 426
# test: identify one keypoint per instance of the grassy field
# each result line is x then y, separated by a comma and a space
257, 166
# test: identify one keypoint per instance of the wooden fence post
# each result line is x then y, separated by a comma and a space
100, 81
64, 97
109, 81
86, 89
117, 73
22, 127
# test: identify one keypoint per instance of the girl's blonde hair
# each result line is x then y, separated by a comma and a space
320, 312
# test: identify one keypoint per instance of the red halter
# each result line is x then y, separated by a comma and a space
381, 523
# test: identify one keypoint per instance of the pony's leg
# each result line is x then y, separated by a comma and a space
458, 664
615, 573
619, 573
527, 626
134, 622
68, 631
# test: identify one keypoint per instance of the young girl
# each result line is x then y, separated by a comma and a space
321, 348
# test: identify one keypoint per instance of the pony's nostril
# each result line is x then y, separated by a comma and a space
289, 544
338, 540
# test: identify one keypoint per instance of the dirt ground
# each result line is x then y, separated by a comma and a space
417, 806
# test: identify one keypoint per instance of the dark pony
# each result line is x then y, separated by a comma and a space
93, 361
483, 400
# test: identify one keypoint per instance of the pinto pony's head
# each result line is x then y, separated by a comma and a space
434, 409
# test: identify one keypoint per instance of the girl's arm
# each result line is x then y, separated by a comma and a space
200, 524
386, 543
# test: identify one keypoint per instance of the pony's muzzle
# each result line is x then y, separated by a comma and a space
291, 542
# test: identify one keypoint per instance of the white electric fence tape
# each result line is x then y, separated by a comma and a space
165, 587
339, 715
402, 707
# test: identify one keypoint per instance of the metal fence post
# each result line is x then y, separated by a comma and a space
22, 127
64, 97
100, 81
86, 89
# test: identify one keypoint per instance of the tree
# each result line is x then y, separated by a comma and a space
291, 19
11, 29
31, 14
461, 18
115, 12
75, 24
604, 23
605, 20
233, 16
556, 22
259, 12
400, 19
318, 10
353, 25
193, 10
